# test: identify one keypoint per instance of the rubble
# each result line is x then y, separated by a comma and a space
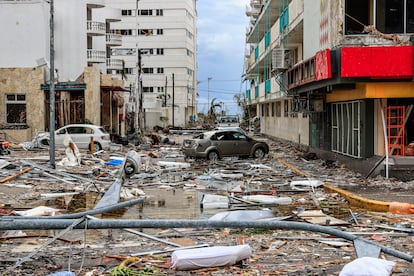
163, 195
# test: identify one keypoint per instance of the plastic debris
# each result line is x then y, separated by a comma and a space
368, 266
209, 257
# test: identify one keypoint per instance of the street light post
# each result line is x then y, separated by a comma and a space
52, 89
208, 94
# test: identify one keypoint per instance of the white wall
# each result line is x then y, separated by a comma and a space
311, 30
24, 33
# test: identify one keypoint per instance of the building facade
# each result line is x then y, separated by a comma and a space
158, 54
81, 43
336, 76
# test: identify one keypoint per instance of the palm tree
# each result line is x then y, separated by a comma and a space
212, 114
241, 103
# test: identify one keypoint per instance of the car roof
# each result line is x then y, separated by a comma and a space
81, 125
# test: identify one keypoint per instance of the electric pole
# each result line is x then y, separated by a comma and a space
52, 89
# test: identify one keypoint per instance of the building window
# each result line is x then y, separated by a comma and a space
126, 32
346, 131
146, 32
189, 34
147, 89
160, 51
123, 51
160, 12
189, 53
160, 32
145, 12
286, 110
147, 51
160, 70
16, 108
278, 109
148, 70
391, 16
160, 89
128, 12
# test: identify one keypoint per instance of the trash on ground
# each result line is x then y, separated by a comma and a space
189, 259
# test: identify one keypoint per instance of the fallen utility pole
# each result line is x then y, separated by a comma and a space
26, 224
96, 211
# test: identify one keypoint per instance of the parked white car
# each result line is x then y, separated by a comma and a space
81, 135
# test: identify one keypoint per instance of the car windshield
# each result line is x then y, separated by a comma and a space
103, 130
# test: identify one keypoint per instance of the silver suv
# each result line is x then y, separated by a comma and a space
216, 144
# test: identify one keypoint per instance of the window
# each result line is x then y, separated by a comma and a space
128, 12
160, 70
160, 12
125, 32
160, 89
123, 51
16, 108
147, 89
389, 16
189, 53
148, 70
160, 32
278, 109
146, 32
160, 51
286, 110
346, 132
145, 12
147, 51
189, 34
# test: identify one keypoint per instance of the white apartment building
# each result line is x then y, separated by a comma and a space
82, 43
159, 36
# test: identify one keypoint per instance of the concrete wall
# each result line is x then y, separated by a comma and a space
92, 78
25, 81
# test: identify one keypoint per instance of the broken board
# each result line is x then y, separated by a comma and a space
318, 217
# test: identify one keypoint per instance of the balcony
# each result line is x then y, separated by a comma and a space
95, 28
92, 4
113, 39
96, 56
112, 14
114, 64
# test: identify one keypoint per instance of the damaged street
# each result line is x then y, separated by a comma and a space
147, 210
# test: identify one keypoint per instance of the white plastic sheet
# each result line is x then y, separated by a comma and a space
368, 266
188, 259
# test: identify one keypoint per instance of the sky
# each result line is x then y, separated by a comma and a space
221, 30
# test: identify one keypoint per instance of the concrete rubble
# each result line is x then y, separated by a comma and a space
297, 226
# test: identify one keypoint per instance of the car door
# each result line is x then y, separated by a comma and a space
223, 143
79, 136
60, 136
241, 145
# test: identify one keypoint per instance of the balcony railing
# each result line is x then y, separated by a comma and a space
113, 39
114, 64
96, 28
96, 56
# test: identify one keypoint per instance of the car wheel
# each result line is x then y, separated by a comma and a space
259, 153
213, 156
96, 146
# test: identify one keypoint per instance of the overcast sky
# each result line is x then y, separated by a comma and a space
221, 45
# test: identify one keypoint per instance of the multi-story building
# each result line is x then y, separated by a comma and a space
336, 76
159, 49
81, 41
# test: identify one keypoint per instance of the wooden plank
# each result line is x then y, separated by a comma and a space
13, 176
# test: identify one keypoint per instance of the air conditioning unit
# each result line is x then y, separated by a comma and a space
280, 59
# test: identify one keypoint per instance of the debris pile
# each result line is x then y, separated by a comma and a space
147, 209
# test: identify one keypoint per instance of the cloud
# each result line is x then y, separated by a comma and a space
221, 32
